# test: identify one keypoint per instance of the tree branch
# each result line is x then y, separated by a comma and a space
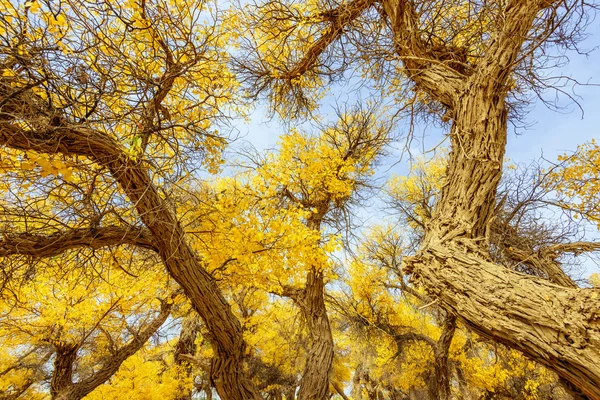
112, 364
339, 19
431, 74
41, 246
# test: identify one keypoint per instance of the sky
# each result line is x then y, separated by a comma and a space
549, 133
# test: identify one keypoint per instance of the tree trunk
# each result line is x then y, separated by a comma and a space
62, 375
465, 393
440, 379
314, 384
227, 370
186, 345
556, 326
62, 386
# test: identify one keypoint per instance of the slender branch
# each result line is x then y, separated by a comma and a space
339, 19
112, 364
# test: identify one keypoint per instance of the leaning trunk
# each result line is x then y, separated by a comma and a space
184, 265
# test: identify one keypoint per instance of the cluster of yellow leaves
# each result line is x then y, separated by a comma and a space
578, 179
323, 168
150, 374
67, 302
114, 58
251, 241
272, 333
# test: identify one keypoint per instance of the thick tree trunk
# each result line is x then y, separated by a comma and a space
62, 375
314, 384
556, 326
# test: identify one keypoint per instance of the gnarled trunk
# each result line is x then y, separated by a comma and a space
184, 265
314, 384
62, 386
556, 326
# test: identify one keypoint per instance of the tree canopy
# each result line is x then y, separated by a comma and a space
145, 254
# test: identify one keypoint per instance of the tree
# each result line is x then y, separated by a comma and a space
468, 70
126, 99
273, 219
322, 176
576, 179
73, 328
407, 346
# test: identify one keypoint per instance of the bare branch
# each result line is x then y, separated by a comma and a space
40, 246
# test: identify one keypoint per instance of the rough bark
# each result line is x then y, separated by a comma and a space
314, 383
40, 246
62, 375
338, 20
62, 386
440, 380
421, 66
186, 345
227, 372
554, 325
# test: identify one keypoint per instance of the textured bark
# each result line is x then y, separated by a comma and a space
186, 345
62, 386
314, 383
41, 246
227, 371
338, 19
62, 375
421, 65
441, 377
556, 326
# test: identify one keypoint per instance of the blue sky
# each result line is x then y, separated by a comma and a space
549, 133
